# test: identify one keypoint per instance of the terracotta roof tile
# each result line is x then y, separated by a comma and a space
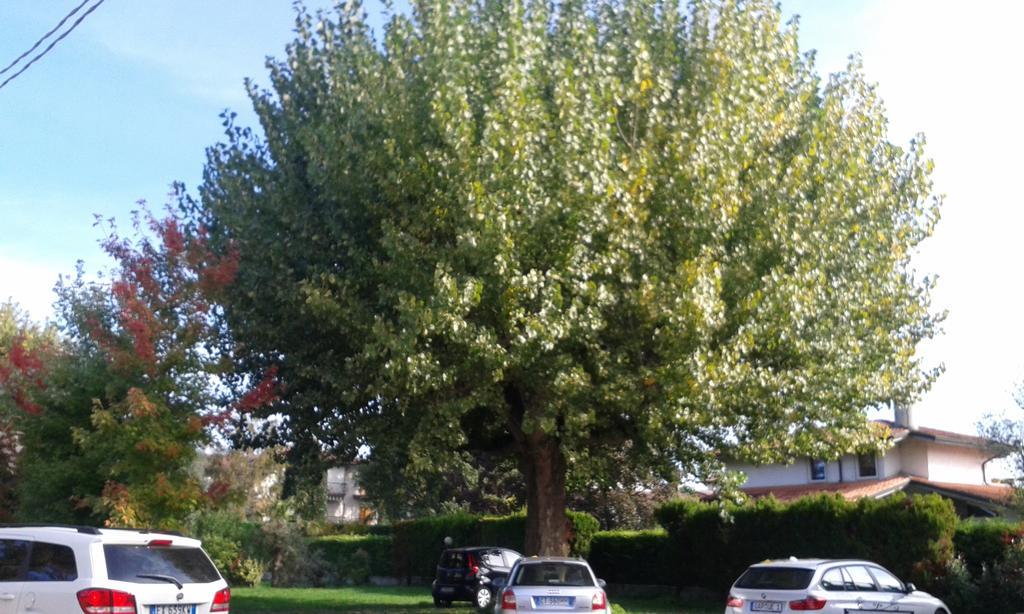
999, 493
849, 490
899, 432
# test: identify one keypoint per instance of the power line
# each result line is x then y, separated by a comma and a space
51, 45
45, 36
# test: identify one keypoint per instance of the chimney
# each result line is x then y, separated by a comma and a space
904, 417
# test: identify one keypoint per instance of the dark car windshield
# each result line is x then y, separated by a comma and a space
184, 564
775, 578
553, 574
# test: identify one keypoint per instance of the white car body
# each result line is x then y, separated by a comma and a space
552, 584
826, 587
84, 570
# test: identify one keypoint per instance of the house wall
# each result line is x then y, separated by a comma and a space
781, 475
890, 464
955, 464
914, 457
342, 488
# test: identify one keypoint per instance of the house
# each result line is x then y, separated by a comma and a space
346, 499
921, 460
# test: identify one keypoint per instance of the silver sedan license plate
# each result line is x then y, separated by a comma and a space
554, 601
177, 608
765, 606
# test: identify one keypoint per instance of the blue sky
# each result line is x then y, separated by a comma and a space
128, 103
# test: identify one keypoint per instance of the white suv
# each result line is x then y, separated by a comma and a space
53, 569
828, 587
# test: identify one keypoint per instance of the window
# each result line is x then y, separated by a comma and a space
775, 578
553, 574
130, 563
886, 581
51, 563
453, 559
832, 580
862, 580
13, 553
492, 558
817, 469
866, 466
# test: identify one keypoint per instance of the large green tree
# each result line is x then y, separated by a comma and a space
604, 236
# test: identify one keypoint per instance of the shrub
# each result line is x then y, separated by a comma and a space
909, 535
634, 557
984, 542
352, 559
417, 544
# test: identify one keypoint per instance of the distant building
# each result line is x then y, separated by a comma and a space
922, 460
346, 499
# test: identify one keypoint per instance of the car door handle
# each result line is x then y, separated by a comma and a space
6, 597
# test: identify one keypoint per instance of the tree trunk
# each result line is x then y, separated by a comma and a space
543, 466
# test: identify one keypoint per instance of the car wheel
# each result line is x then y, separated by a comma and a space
483, 598
442, 603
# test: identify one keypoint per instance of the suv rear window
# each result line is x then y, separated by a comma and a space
775, 578
187, 565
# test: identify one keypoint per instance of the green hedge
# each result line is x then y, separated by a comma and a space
634, 557
418, 544
905, 534
353, 558
985, 542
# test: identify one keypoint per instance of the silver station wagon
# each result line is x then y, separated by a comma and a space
828, 587
552, 584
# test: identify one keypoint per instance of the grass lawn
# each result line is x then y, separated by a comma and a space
401, 599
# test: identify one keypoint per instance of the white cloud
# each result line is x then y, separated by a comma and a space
29, 283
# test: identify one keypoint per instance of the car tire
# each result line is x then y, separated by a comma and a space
442, 603
483, 599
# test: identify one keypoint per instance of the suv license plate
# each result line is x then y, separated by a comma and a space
177, 608
765, 606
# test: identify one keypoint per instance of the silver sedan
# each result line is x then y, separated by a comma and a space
552, 584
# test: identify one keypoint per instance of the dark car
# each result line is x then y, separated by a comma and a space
468, 574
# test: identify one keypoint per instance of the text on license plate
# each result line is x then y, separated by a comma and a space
765, 606
547, 600
177, 608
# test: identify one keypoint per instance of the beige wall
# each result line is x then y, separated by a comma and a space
955, 464
915, 457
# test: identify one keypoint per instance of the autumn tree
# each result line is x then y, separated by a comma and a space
146, 375
596, 235
25, 351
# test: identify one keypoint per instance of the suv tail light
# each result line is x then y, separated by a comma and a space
808, 603
105, 601
221, 601
734, 602
508, 600
473, 567
599, 602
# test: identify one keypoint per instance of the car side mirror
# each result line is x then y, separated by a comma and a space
601, 583
910, 588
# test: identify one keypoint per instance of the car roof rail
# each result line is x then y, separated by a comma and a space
47, 525
146, 530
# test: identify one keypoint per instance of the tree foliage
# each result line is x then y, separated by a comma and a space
598, 235
143, 377
25, 350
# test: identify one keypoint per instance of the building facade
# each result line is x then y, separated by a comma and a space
346, 499
921, 460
